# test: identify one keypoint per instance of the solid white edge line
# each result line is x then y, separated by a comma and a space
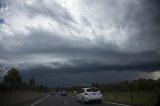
115, 103
39, 100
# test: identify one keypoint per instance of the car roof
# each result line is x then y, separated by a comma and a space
90, 88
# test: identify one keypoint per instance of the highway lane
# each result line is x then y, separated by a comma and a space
57, 100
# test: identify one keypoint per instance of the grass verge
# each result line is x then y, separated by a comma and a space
142, 98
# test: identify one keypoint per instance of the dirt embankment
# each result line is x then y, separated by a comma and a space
7, 99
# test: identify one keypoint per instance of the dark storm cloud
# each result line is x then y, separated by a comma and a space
85, 37
2, 5
147, 20
81, 66
61, 47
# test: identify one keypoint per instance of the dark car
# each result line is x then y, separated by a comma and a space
53, 93
64, 93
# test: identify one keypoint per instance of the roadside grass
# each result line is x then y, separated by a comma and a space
71, 94
143, 98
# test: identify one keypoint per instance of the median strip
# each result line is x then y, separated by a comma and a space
115, 103
39, 100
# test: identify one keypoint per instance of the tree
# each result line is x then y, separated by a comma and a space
45, 88
13, 79
32, 81
57, 89
41, 87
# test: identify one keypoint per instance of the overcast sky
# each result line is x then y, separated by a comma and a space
80, 41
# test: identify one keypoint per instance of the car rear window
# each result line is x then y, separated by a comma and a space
92, 90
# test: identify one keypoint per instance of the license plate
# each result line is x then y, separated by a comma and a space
93, 93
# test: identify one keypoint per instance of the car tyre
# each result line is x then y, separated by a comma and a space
77, 100
100, 101
83, 101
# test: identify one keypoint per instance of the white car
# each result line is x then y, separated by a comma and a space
89, 94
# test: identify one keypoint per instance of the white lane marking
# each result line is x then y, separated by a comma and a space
39, 100
116, 103
65, 102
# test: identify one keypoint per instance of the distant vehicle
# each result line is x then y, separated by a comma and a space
89, 94
59, 92
52, 93
64, 93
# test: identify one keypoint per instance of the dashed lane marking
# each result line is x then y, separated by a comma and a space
65, 102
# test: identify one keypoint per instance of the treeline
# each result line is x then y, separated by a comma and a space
132, 86
124, 86
13, 82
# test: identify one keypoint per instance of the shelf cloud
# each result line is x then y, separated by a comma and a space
79, 36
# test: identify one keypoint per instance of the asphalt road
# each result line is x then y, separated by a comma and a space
57, 100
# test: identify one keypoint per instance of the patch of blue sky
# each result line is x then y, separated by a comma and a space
2, 21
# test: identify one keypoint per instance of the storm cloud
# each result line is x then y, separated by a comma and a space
79, 36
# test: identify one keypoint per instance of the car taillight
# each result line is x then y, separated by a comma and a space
86, 93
